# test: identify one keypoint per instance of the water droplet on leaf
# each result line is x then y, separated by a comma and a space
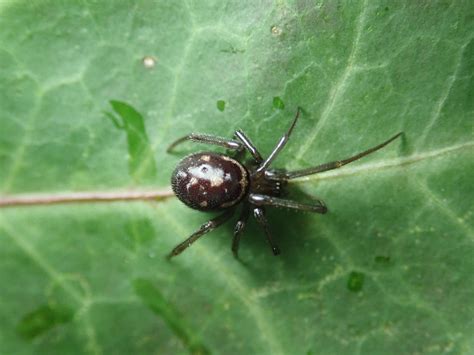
149, 62
276, 31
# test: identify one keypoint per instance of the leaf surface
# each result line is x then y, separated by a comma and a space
389, 270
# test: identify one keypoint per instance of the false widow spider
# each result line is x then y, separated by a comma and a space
209, 181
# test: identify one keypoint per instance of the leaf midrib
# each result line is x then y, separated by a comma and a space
387, 163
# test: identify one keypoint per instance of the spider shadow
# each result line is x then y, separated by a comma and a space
301, 244
289, 228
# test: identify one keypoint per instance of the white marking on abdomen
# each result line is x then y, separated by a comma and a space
206, 172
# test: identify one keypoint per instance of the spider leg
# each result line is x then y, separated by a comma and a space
205, 228
249, 145
264, 200
338, 163
259, 214
207, 139
239, 227
280, 145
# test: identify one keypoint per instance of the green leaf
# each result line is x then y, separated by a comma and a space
278, 103
43, 319
140, 160
220, 105
389, 270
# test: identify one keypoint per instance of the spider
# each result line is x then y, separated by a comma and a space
208, 181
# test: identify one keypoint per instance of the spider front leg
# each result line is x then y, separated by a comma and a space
259, 214
334, 164
208, 139
280, 145
264, 200
249, 145
205, 228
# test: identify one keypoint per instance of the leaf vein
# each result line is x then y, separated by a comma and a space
234, 283
387, 163
439, 105
340, 84
39, 260
444, 208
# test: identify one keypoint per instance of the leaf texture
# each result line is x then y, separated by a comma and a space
389, 270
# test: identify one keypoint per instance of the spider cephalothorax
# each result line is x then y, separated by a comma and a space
210, 181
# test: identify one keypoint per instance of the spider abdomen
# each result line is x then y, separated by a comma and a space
210, 181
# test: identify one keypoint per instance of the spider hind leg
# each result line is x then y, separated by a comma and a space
239, 227
205, 228
259, 214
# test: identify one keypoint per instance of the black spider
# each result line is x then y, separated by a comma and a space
211, 182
